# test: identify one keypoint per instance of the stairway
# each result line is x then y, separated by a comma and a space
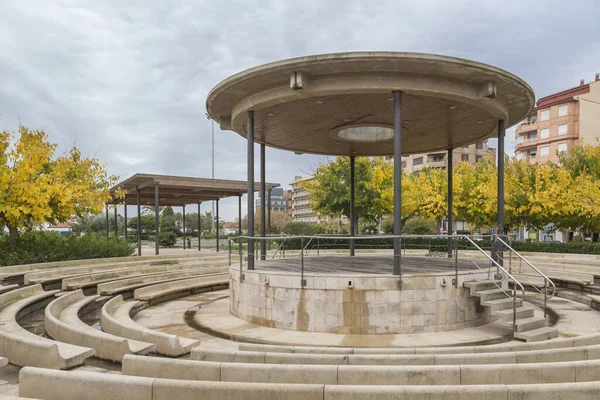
529, 327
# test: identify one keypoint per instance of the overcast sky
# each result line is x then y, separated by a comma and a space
126, 80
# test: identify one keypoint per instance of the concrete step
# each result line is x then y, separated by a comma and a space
491, 294
501, 304
507, 314
526, 324
475, 286
537, 335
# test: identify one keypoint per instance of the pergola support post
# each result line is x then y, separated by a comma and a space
352, 212
263, 247
139, 223
156, 219
250, 144
115, 223
199, 227
125, 217
217, 223
183, 227
450, 213
107, 223
397, 179
240, 221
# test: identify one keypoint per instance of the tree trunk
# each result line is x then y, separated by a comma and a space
12, 237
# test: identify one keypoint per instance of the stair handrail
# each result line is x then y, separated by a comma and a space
546, 278
488, 274
494, 262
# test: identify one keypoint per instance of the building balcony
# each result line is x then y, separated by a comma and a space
526, 127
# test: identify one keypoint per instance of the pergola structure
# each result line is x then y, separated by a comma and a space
372, 104
164, 190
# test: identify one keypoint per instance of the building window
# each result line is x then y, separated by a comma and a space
544, 151
562, 129
563, 110
562, 147
533, 137
544, 133
479, 145
436, 157
403, 164
465, 157
544, 115
532, 154
418, 161
478, 158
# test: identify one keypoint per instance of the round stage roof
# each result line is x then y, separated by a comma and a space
341, 104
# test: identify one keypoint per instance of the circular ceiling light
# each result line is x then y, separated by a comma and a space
364, 133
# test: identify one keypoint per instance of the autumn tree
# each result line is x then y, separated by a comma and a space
38, 187
329, 190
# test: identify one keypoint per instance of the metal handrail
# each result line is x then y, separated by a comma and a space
546, 278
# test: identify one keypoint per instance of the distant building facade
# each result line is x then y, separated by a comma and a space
300, 209
560, 122
471, 153
278, 202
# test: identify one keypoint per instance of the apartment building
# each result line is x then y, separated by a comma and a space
559, 122
300, 209
278, 203
471, 153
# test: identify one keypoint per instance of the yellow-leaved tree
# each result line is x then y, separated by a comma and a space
36, 187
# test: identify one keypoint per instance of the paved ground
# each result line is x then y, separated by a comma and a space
368, 264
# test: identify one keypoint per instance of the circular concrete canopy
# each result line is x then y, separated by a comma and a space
342, 104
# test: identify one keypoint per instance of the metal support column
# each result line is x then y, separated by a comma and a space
240, 219
199, 227
116, 223
217, 223
269, 211
397, 178
107, 223
183, 227
500, 232
450, 214
125, 217
352, 212
250, 144
263, 222
156, 219
139, 223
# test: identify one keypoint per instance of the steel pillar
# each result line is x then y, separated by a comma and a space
269, 211
116, 223
139, 223
263, 222
183, 230
156, 219
199, 227
501, 135
397, 178
250, 144
217, 224
240, 216
107, 223
450, 213
125, 216
352, 211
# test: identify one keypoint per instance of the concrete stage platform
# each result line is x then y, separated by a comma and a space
367, 265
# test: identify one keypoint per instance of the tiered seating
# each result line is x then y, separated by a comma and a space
62, 323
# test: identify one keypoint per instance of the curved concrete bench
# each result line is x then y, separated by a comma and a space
58, 274
580, 353
152, 367
17, 271
96, 278
559, 343
60, 385
130, 284
62, 322
116, 320
22, 347
169, 290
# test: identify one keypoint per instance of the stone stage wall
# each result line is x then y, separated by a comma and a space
356, 303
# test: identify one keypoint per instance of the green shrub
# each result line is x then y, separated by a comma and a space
44, 246
419, 226
167, 239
